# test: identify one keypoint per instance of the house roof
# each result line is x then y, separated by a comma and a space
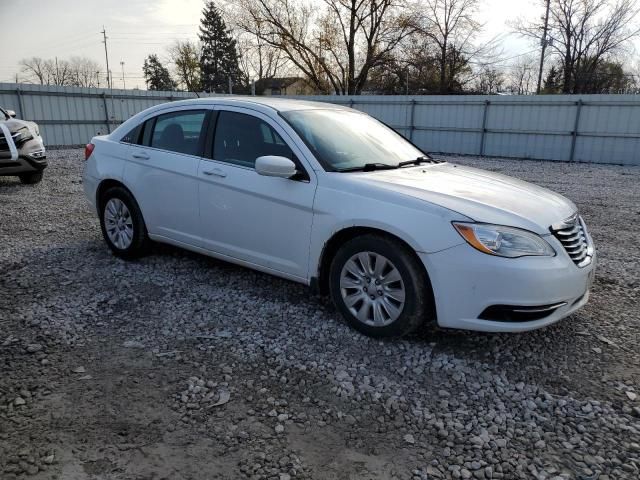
277, 82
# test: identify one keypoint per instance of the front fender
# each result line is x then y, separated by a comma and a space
426, 228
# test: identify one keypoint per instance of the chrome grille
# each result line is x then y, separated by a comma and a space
573, 235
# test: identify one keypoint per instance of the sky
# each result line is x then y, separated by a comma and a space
136, 28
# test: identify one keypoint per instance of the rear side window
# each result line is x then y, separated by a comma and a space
133, 136
241, 138
179, 132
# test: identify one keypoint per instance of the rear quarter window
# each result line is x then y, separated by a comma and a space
133, 136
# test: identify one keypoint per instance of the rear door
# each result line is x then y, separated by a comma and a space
163, 170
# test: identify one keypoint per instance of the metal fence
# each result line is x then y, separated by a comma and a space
582, 128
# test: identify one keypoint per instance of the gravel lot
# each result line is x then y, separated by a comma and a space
183, 367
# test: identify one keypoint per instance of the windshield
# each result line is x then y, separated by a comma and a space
343, 140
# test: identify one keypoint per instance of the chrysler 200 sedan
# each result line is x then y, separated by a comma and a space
332, 198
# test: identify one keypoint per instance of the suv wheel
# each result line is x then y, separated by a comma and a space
122, 224
378, 286
30, 178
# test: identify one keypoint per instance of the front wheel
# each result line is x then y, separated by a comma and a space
379, 287
30, 178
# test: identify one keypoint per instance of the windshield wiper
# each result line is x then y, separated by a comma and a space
369, 167
418, 161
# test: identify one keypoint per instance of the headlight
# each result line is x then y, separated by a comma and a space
503, 241
22, 135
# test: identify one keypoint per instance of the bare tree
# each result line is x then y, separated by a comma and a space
522, 75
84, 72
585, 33
61, 73
335, 47
259, 60
452, 26
36, 70
489, 81
185, 57
48, 72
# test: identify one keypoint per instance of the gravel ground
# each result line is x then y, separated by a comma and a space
182, 367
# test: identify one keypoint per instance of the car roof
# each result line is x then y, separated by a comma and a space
265, 105
271, 103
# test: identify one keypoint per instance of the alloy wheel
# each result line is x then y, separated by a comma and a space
372, 289
118, 223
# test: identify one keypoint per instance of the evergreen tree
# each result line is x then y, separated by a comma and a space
156, 75
553, 83
219, 58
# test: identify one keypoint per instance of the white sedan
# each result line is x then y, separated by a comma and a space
332, 198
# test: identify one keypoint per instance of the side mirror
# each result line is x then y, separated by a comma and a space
11, 113
274, 166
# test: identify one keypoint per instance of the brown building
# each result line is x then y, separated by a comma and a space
283, 86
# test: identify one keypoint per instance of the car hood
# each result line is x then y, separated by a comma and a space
15, 124
477, 194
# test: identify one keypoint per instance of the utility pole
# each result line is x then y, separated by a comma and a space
407, 85
124, 87
544, 46
106, 55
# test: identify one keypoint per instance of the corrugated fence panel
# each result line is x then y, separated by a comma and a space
583, 128
440, 124
526, 130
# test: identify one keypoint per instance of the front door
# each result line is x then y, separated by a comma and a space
265, 221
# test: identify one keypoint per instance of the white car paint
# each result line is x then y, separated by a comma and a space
281, 226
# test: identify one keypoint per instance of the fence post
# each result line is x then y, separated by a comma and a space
106, 112
20, 104
484, 127
574, 134
412, 126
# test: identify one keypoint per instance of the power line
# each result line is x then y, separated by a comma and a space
503, 60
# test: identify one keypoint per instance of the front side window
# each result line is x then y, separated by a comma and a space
344, 140
241, 138
179, 132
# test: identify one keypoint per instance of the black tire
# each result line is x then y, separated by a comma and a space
30, 178
418, 303
140, 242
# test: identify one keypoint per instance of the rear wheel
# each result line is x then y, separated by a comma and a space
379, 287
30, 178
122, 224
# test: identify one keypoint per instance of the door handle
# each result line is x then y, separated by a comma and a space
216, 172
141, 156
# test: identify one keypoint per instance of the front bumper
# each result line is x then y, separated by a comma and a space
466, 282
25, 157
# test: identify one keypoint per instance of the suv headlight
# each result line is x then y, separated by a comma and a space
22, 135
504, 241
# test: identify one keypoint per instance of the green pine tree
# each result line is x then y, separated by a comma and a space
553, 83
219, 58
156, 75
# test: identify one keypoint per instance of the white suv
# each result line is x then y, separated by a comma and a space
330, 197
